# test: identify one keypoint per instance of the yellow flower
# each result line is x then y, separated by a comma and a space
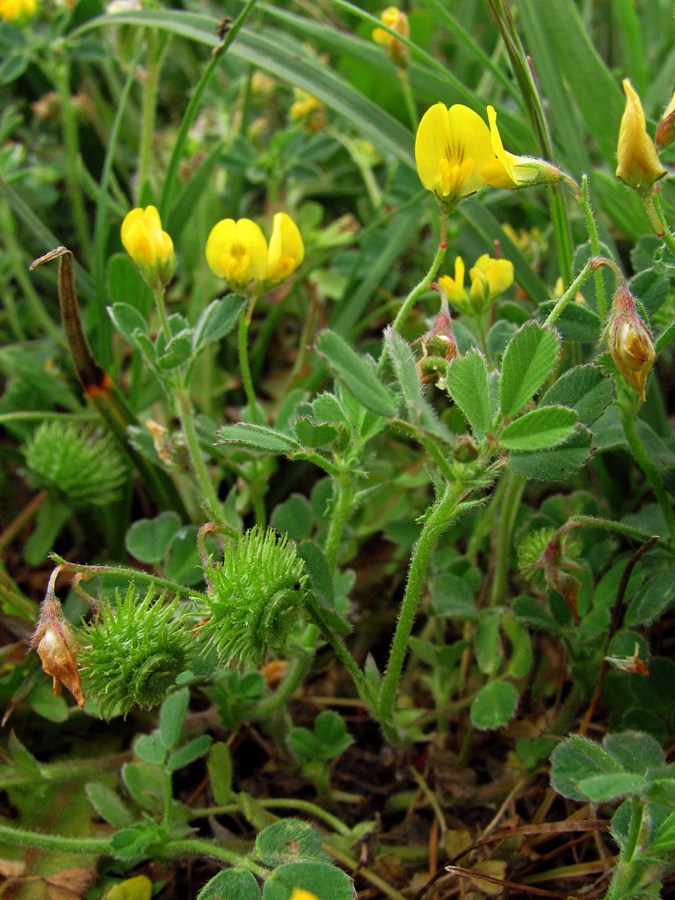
489, 278
11, 10
308, 109
397, 20
286, 250
665, 132
149, 247
511, 171
454, 287
638, 161
452, 147
237, 252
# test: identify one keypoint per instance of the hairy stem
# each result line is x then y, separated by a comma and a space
439, 517
515, 485
244, 366
213, 505
592, 229
646, 462
344, 487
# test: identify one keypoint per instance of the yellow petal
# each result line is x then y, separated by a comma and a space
451, 147
638, 161
237, 252
286, 249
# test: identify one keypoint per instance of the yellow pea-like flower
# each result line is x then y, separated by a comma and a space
148, 245
489, 278
638, 162
237, 251
507, 170
397, 20
286, 250
12, 10
452, 147
454, 287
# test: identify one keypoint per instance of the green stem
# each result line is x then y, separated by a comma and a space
338, 646
420, 288
213, 505
520, 63
627, 873
155, 52
646, 462
666, 233
199, 847
571, 291
408, 98
609, 525
244, 366
439, 517
592, 230
294, 678
168, 798
344, 488
21, 837
194, 106
127, 572
515, 485
304, 805
159, 294
61, 76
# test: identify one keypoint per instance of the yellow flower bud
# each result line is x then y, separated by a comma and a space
308, 109
286, 250
397, 20
237, 251
149, 247
511, 171
489, 278
629, 341
638, 161
57, 650
454, 287
13, 10
665, 132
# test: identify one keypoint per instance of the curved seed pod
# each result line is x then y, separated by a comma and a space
132, 653
255, 596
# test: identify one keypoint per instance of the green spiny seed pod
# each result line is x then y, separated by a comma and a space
538, 557
76, 463
131, 653
530, 551
255, 595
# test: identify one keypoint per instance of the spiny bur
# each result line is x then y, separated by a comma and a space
132, 652
255, 597
76, 463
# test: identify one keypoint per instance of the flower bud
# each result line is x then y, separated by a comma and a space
630, 341
397, 20
665, 132
57, 650
638, 161
149, 247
